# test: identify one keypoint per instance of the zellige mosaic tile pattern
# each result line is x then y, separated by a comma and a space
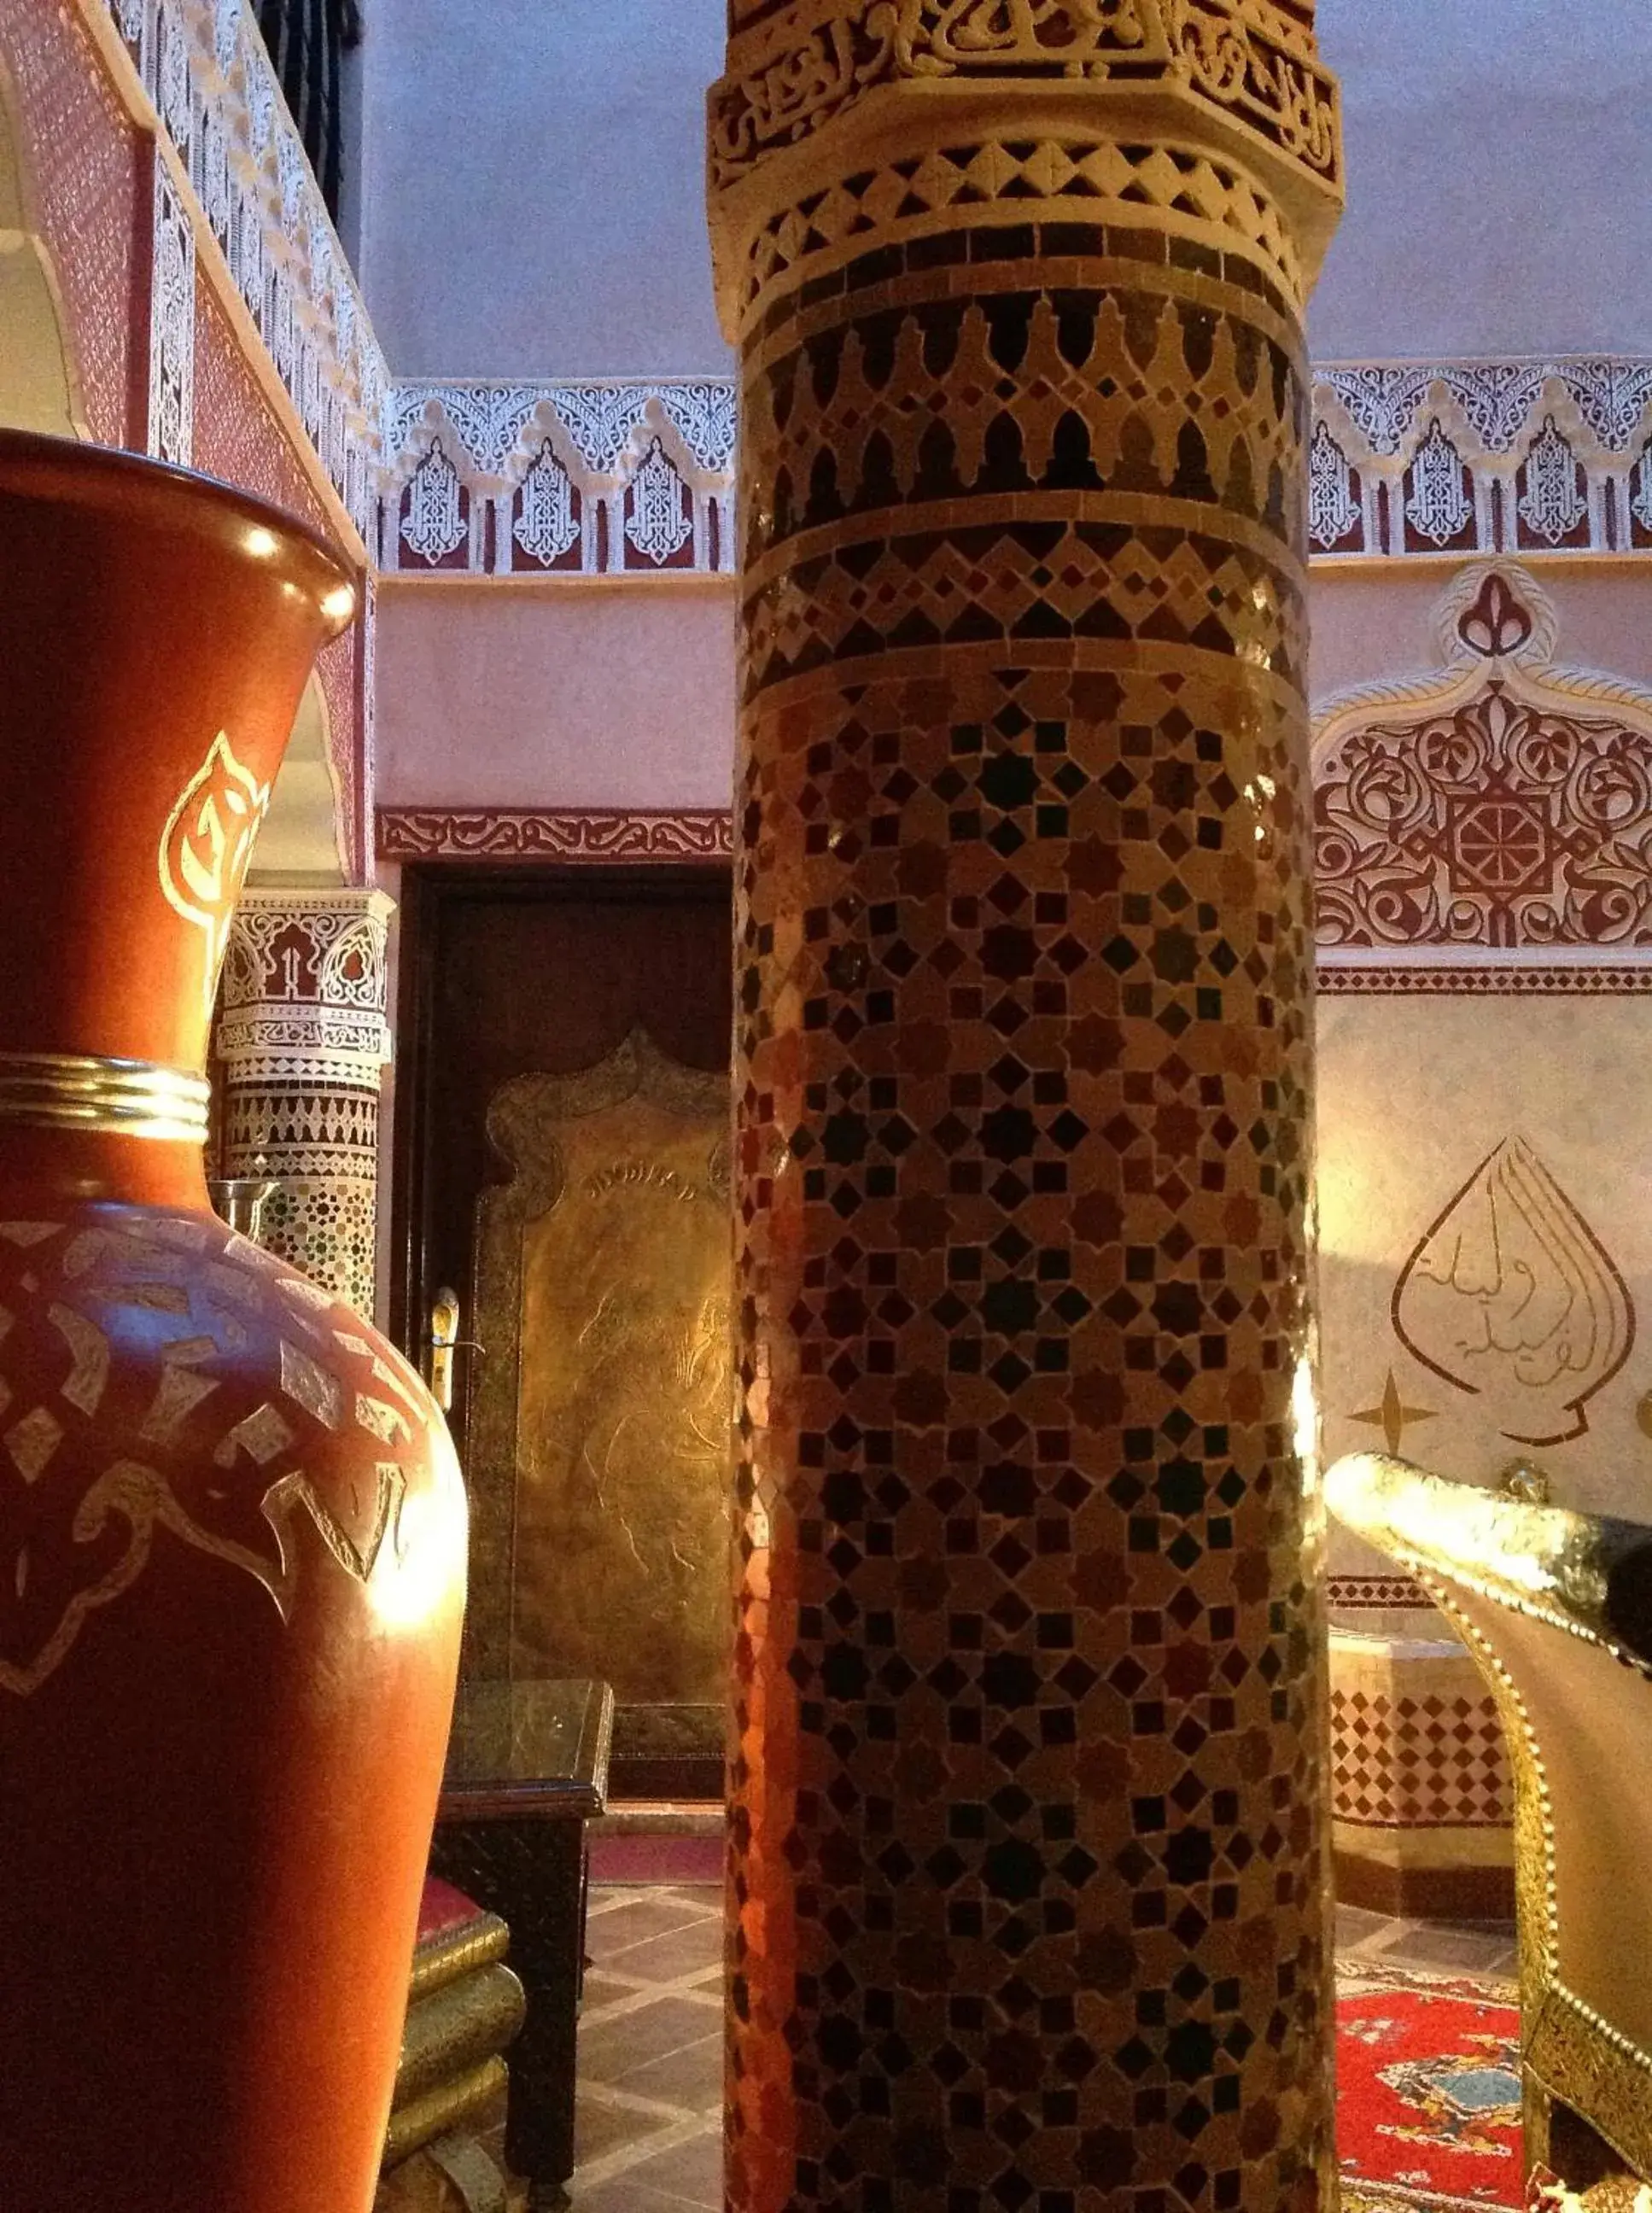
1027, 1868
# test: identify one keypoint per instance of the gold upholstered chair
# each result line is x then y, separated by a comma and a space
1557, 1609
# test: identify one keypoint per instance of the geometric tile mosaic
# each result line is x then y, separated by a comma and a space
649, 2137
1418, 1762
1026, 1865
650, 2079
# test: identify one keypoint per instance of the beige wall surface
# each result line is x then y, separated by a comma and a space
1499, 173
531, 193
590, 696
1535, 1294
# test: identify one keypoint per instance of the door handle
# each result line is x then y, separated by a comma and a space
444, 1341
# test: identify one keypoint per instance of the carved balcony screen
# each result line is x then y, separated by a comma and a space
307, 40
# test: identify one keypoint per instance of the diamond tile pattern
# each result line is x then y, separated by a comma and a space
1027, 1865
933, 190
648, 2132
1428, 1762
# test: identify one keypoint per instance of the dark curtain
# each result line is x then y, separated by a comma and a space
307, 40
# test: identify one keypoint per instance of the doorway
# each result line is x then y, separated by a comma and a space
561, 1168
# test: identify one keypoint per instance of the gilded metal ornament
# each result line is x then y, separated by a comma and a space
108, 1097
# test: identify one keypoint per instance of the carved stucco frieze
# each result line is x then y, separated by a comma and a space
204, 66
799, 70
172, 326
1482, 457
502, 834
616, 478
1407, 462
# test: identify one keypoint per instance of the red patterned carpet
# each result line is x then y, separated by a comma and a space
1428, 2091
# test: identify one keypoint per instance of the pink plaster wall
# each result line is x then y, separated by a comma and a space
605, 696
590, 696
1376, 626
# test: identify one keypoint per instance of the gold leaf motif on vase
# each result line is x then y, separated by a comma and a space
82, 1513
1510, 1294
206, 845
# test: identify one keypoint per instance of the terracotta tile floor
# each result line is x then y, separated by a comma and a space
649, 2136
1477, 1947
650, 2042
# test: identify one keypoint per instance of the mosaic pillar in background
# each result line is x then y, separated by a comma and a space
1028, 1904
301, 1046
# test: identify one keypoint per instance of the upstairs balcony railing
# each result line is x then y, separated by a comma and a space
307, 40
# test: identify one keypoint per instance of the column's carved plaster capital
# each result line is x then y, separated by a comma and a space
306, 974
817, 90
296, 899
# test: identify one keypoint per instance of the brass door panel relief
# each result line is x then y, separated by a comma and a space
600, 1447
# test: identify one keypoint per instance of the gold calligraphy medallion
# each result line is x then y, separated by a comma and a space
1510, 1292
206, 845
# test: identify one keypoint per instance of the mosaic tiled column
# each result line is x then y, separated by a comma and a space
1028, 1884
301, 1046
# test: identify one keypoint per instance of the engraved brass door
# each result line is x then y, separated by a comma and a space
602, 1279
563, 1109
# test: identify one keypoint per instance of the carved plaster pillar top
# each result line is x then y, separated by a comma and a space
305, 974
301, 1039
838, 125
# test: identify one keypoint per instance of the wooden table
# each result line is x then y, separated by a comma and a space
528, 1766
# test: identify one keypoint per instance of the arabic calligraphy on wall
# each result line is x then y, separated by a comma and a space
1510, 1293
795, 73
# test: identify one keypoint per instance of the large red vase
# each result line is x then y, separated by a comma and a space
232, 1530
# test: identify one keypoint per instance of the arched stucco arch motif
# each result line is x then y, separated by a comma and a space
38, 386
547, 507
306, 833
1495, 813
